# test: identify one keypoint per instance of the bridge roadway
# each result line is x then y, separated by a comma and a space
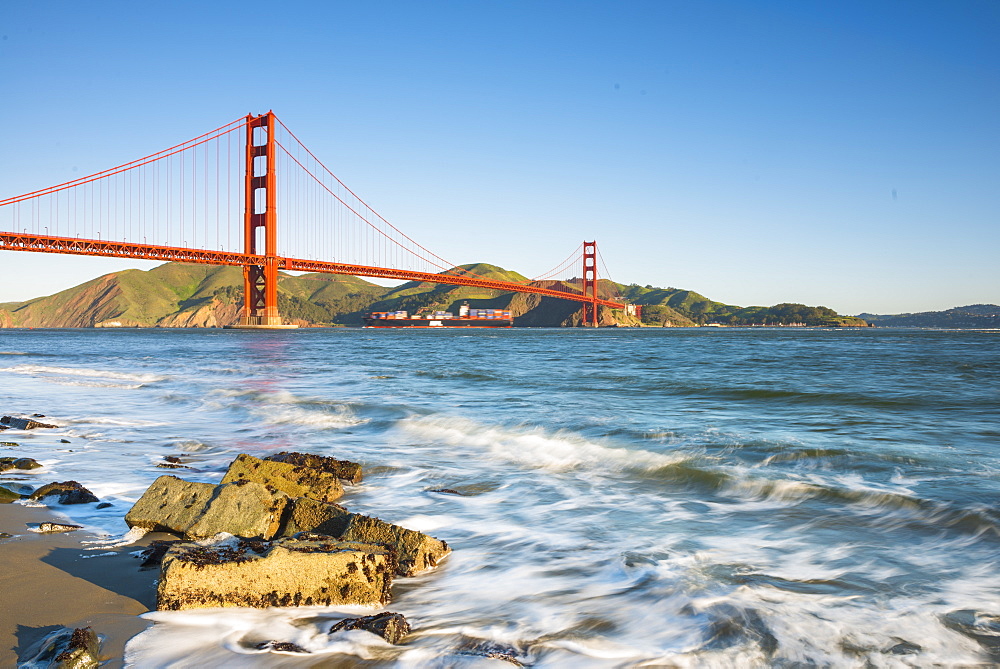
12, 241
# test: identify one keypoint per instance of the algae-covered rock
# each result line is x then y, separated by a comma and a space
344, 470
293, 480
310, 515
200, 510
280, 647
8, 496
286, 572
390, 626
65, 649
69, 492
26, 463
52, 528
415, 551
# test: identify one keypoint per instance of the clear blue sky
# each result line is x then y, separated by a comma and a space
837, 153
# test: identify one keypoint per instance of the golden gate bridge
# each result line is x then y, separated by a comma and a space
216, 199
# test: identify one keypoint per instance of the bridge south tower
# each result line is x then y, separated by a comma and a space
260, 226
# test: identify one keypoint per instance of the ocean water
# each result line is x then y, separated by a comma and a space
656, 497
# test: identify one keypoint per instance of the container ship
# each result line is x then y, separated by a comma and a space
467, 318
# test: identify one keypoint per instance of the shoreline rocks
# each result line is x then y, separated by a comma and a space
288, 543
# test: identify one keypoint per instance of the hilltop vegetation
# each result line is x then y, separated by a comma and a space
685, 307
182, 295
972, 316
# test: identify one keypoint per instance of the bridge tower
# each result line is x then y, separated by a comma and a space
260, 226
590, 283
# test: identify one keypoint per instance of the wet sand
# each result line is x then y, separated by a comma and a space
47, 583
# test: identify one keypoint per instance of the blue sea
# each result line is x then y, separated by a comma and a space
713, 497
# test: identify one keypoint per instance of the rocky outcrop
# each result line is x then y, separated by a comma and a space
16, 423
293, 480
201, 510
286, 572
390, 626
345, 470
7, 496
415, 551
214, 314
69, 492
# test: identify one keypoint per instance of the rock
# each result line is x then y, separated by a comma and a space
104, 505
492, 650
280, 647
38, 415
983, 627
65, 649
152, 554
8, 444
342, 469
904, 648
64, 441
22, 423
172, 462
293, 480
200, 510
50, 527
5, 535
8, 496
415, 551
309, 515
171, 465
26, 463
390, 626
70, 492
446, 491
286, 572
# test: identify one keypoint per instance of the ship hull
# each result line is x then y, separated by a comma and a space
438, 323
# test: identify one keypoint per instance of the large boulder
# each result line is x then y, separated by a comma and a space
415, 551
345, 470
293, 480
318, 571
200, 510
69, 492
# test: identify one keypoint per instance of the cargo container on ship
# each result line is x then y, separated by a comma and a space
466, 318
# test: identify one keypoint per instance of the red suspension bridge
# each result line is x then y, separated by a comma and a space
215, 199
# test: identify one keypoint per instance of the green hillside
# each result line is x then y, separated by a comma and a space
183, 295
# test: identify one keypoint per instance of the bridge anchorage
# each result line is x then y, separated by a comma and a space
185, 204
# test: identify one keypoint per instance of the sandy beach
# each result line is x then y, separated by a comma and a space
50, 581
